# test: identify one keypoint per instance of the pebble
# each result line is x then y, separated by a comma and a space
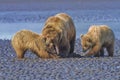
35, 68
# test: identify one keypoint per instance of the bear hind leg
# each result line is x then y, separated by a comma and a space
110, 50
20, 53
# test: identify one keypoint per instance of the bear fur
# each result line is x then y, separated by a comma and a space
25, 39
60, 31
96, 39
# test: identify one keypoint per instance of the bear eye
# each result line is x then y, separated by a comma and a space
86, 45
88, 40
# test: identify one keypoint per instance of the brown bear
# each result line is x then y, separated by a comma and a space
25, 39
60, 31
96, 39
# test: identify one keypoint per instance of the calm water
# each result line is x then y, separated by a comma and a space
7, 30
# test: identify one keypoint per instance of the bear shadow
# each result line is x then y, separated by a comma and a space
71, 55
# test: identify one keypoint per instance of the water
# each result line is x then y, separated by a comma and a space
7, 30
82, 28
13, 21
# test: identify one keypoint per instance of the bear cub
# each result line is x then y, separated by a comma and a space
96, 39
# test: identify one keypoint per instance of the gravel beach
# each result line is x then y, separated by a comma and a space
35, 68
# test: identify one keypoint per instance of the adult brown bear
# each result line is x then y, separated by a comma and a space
59, 30
25, 39
96, 39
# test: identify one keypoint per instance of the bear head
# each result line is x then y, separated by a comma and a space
50, 45
86, 42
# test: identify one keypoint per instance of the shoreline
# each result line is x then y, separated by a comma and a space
78, 48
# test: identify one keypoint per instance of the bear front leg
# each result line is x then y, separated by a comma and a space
102, 52
94, 51
54, 56
65, 50
72, 43
45, 55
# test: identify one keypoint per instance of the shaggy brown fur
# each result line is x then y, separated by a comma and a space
24, 40
97, 38
59, 30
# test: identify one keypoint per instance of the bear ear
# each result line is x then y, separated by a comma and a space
43, 39
81, 35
